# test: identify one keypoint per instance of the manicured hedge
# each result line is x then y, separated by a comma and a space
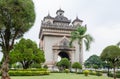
28, 72
40, 69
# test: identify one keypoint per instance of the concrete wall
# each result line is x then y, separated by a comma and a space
49, 41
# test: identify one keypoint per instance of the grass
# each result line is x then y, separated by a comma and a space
61, 76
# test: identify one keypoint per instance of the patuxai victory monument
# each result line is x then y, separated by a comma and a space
55, 33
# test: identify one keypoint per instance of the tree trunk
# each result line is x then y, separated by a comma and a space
81, 53
114, 75
108, 71
25, 66
76, 70
5, 68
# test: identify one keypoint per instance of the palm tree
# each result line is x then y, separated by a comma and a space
80, 35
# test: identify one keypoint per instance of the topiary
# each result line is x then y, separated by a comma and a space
66, 70
86, 72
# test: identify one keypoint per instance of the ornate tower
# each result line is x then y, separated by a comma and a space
54, 38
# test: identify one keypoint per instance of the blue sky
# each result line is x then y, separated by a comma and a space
101, 16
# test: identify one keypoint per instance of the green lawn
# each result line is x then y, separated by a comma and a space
61, 76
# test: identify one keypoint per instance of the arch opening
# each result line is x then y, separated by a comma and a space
63, 54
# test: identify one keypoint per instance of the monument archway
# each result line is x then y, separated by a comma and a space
61, 49
64, 54
55, 35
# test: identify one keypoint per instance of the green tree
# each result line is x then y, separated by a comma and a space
16, 17
111, 54
26, 53
35, 65
118, 44
95, 67
93, 61
76, 65
80, 35
64, 63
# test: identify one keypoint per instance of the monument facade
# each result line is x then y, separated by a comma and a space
55, 33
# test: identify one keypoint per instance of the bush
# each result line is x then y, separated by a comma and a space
38, 69
86, 72
66, 70
35, 65
117, 71
105, 71
63, 64
99, 73
55, 72
110, 75
76, 65
117, 75
45, 66
92, 73
29, 72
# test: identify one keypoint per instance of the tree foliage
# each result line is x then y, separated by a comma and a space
26, 52
92, 61
76, 65
63, 64
111, 54
80, 35
16, 17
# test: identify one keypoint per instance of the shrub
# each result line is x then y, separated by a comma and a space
38, 69
117, 71
45, 66
29, 72
63, 64
66, 70
56, 71
86, 72
110, 75
95, 67
117, 75
35, 65
99, 73
104, 71
92, 73
76, 65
